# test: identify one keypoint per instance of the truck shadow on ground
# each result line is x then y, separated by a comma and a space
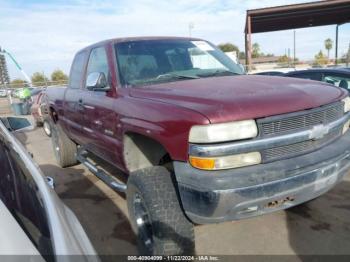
321, 226
104, 222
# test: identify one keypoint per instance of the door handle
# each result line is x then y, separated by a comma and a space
81, 104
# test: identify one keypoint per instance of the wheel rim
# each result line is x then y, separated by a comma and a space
47, 128
143, 222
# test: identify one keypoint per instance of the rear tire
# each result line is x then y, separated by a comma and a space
64, 148
156, 215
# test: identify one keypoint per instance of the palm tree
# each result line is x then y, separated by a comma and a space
328, 44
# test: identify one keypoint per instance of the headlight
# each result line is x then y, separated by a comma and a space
224, 132
226, 162
346, 102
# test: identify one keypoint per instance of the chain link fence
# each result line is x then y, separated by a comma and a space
46, 84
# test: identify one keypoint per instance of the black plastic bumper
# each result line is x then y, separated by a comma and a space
217, 196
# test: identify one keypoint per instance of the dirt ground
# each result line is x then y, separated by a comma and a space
319, 227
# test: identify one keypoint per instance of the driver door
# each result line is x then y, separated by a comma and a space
99, 123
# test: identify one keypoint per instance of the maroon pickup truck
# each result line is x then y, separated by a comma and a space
200, 141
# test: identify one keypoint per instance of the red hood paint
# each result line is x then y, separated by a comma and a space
223, 99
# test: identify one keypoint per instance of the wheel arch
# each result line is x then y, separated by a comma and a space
141, 151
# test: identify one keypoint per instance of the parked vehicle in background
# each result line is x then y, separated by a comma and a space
270, 73
36, 91
336, 76
16, 92
39, 222
3, 93
200, 141
40, 112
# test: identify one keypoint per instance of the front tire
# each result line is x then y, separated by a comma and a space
156, 215
64, 148
47, 128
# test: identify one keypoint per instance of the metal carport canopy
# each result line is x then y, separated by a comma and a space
295, 16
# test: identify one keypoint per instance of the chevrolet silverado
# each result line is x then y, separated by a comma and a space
200, 141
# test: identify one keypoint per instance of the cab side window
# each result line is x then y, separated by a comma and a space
98, 62
77, 71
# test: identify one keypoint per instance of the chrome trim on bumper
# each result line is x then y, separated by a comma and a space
210, 150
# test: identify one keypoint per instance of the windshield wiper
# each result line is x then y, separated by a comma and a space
161, 78
218, 73
175, 76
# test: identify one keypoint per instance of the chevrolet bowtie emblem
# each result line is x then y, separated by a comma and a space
318, 132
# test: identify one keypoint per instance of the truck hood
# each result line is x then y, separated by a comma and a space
230, 98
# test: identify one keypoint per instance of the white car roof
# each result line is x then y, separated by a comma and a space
68, 236
13, 240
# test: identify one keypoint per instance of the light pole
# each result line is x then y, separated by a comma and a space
336, 43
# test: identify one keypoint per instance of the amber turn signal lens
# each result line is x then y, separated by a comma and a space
202, 163
226, 162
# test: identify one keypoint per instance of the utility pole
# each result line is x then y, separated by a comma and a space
294, 49
336, 45
288, 57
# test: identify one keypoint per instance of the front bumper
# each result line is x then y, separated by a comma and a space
217, 196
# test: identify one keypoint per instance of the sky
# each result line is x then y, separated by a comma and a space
45, 35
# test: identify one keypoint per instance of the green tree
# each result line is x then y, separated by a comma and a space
39, 79
284, 59
256, 50
228, 47
58, 75
241, 55
320, 59
17, 83
328, 44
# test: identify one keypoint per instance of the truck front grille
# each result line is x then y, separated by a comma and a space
283, 152
288, 123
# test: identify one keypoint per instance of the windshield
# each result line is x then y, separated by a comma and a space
146, 62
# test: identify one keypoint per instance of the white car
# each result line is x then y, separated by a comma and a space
34, 220
3, 93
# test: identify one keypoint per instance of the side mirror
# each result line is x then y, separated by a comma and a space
97, 81
15, 124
